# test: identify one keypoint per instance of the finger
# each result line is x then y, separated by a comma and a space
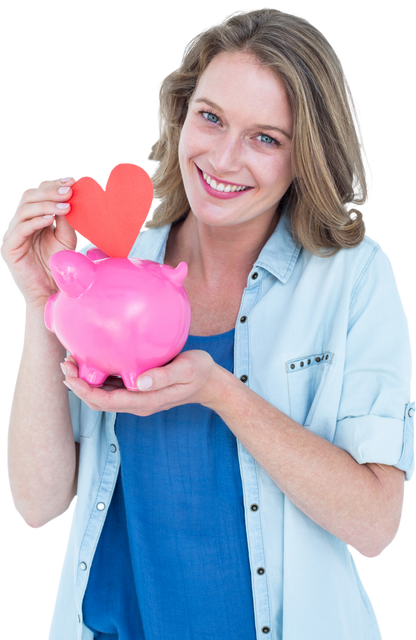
46, 207
70, 367
46, 188
119, 400
41, 196
179, 371
40, 200
14, 241
43, 189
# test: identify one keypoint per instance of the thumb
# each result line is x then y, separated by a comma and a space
64, 233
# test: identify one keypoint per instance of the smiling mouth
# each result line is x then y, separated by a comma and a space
223, 187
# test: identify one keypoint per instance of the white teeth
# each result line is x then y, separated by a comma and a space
220, 186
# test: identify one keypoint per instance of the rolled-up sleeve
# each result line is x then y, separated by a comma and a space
375, 417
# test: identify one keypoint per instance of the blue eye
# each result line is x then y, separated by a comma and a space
267, 139
210, 114
264, 135
273, 141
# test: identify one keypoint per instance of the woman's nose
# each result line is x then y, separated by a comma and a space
226, 156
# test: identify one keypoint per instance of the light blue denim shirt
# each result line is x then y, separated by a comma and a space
326, 341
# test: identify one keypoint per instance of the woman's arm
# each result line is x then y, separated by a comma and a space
360, 504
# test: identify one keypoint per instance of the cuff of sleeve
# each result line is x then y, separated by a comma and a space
379, 439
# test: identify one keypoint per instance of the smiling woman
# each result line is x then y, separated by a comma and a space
233, 152
217, 501
315, 102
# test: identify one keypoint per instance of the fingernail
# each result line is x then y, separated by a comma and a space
63, 367
63, 190
50, 215
144, 383
62, 205
67, 384
67, 177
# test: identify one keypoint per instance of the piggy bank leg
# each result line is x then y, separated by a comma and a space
93, 376
129, 379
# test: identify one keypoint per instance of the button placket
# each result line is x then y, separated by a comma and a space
100, 506
254, 507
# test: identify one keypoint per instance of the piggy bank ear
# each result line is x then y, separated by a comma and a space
96, 254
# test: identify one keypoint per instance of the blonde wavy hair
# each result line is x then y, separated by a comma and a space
326, 152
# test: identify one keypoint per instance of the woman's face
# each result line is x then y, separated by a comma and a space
237, 133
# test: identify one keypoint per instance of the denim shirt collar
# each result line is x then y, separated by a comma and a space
277, 257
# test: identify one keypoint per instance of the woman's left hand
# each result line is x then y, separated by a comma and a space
188, 378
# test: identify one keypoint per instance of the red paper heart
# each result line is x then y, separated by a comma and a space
112, 219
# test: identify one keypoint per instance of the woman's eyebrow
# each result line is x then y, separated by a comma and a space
256, 126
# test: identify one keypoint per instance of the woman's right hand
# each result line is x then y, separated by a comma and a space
32, 238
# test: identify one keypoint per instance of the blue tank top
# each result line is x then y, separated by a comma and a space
172, 559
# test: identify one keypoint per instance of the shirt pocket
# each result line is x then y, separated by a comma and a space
306, 379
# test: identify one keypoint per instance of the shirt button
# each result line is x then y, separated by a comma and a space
255, 275
292, 366
266, 629
113, 448
317, 359
260, 571
101, 506
83, 566
243, 319
410, 412
254, 507
244, 378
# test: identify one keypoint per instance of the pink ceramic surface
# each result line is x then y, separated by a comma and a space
117, 316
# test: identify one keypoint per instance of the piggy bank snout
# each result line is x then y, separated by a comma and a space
73, 272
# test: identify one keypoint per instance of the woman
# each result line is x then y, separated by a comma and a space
236, 475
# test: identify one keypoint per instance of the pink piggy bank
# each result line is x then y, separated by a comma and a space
117, 316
